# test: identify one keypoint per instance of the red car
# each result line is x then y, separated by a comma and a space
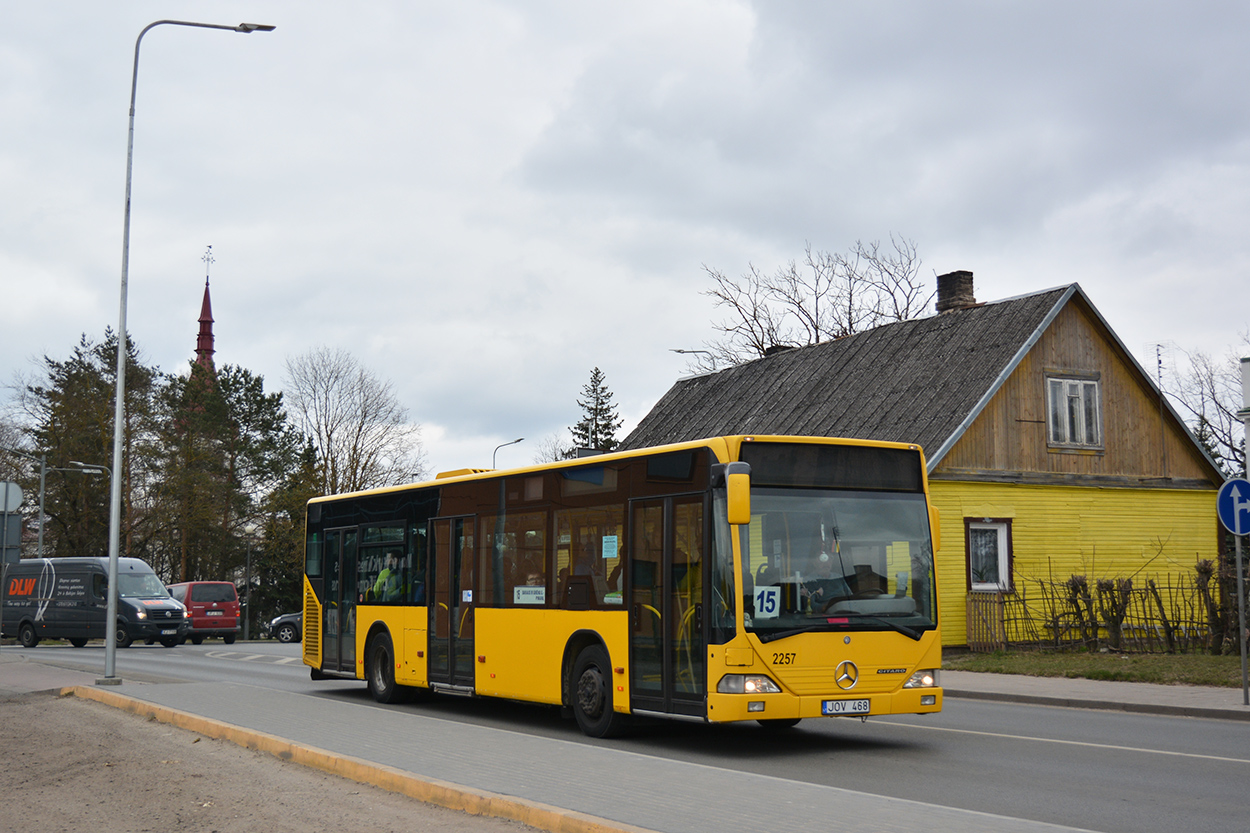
212, 607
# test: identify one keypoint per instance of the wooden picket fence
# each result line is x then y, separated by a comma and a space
1165, 614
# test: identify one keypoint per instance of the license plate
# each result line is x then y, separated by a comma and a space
836, 707
214, 613
169, 632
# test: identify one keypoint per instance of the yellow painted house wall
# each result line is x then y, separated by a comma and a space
1059, 531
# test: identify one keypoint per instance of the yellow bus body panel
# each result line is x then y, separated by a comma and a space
311, 641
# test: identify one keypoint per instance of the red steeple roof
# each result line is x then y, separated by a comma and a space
204, 343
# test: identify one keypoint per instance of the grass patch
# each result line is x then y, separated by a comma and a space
1168, 669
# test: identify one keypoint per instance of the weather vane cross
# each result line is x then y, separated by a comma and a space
208, 262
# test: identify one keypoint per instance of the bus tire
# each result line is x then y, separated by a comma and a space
27, 636
123, 637
780, 723
78, 642
591, 693
380, 671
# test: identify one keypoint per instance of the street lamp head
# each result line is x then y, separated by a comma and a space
248, 28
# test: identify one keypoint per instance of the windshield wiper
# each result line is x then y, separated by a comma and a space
772, 637
903, 629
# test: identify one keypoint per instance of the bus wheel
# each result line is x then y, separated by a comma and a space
78, 643
123, 637
780, 723
27, 636
592, 694
381, 671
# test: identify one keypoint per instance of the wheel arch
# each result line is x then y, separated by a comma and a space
579, 641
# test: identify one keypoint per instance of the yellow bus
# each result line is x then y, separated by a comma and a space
728, 579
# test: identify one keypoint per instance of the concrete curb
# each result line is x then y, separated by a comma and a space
1104, 705
431, 791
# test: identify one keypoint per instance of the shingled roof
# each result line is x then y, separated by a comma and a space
921, 381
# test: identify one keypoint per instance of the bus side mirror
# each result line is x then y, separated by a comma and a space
738, 492
935, 527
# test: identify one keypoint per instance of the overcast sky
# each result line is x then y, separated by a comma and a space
483, 200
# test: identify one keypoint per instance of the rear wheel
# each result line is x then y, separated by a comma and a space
27, 636
591, 693
78, 643
123, 637
171, 642
196, 640
229, 640
381, 671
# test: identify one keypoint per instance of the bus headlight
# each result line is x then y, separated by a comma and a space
747, 684
927, 678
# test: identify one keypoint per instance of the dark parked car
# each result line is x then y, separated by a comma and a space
289, 627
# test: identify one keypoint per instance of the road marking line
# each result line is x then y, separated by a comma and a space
1072, 742
288, 660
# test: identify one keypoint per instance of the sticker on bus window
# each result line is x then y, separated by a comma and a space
466, 596
609, 546
528, 595
767, 602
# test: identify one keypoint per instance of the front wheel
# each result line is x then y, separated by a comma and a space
287, 633
27, 636
591, 693
381, 671
123, 637
78, 643
171, 642
780, 722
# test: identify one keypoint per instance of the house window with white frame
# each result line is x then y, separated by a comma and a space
989, 555
1075, 412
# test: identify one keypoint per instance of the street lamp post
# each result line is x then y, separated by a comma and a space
250, 532
119, 410
502, 445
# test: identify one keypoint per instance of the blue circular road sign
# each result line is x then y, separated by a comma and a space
1233, 506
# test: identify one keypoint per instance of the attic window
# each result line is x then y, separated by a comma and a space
1075, 412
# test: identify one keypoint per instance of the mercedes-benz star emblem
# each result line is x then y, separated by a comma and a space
846, 674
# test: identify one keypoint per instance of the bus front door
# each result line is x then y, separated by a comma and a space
338, 652
668, 667
451, 604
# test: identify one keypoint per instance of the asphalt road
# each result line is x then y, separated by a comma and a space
1096, 770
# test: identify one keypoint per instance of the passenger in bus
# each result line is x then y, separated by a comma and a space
389, 585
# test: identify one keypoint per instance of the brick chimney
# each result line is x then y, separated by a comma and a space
954, 291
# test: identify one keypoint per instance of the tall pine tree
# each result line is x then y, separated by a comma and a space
597, 427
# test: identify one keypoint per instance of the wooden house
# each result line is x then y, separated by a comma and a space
1050, 451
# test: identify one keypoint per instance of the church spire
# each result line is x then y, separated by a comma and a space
204, 343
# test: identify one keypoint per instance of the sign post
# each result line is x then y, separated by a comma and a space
1233, 506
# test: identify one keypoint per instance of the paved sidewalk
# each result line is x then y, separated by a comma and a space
1143, 698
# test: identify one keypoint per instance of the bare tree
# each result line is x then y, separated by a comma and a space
828, 296
359, 429
552, 448
1209, 392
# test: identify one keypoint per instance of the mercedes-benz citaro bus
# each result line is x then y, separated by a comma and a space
738, 578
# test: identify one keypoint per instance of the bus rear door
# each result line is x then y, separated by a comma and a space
451, 605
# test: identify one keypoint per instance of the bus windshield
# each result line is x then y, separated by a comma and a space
830, 559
